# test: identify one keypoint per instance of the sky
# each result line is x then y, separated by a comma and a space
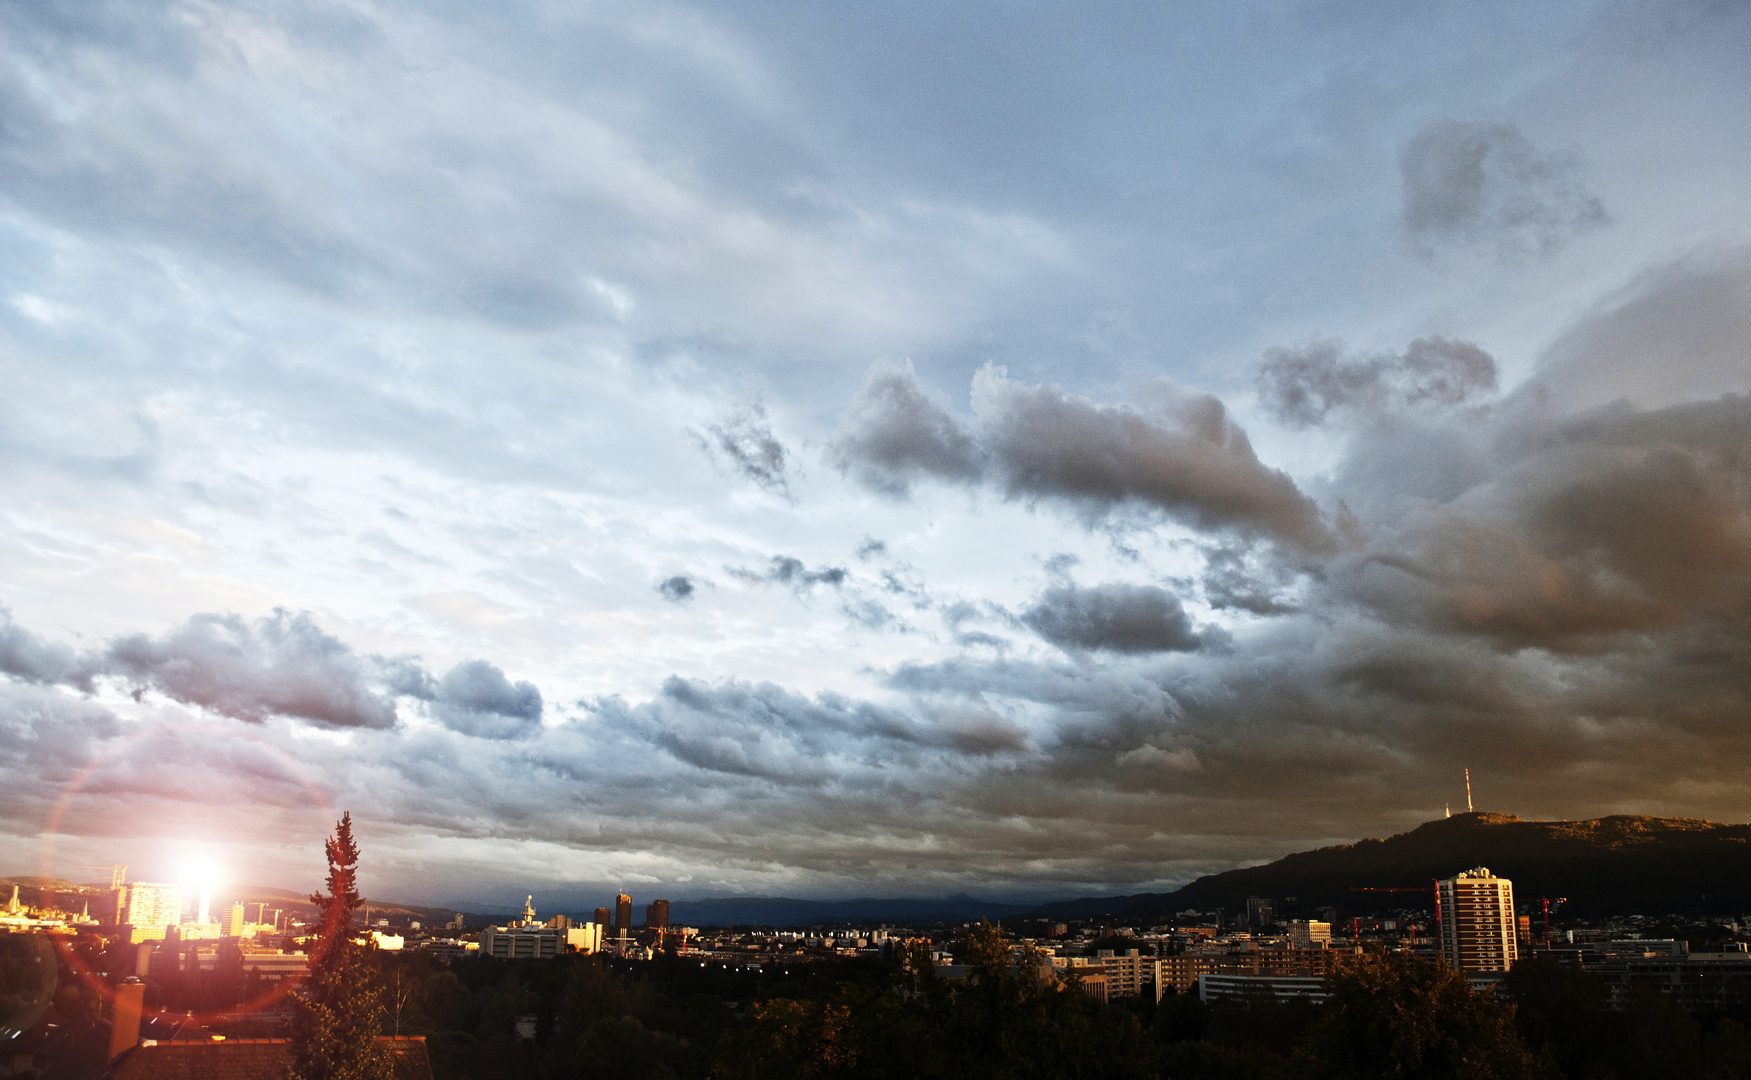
863, 450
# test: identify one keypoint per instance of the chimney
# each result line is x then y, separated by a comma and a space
124, 1030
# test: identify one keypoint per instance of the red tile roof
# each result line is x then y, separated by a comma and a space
247, 1059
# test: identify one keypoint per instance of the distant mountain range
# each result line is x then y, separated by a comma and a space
1621, 865
780, 911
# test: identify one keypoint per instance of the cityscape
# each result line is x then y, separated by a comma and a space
768, 540
172, 966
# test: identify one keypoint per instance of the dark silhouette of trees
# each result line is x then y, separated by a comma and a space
1394, 1015
339, 1009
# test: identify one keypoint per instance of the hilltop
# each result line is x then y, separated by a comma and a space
1612, 865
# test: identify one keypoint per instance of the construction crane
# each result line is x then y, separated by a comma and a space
1545, 902
117, 873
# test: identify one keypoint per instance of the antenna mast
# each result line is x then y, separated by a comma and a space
1468, 791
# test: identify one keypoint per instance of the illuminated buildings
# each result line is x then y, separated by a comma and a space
1309, 934
1476, 911
538, 942
152, 907
236, 927
622, 915
656, 915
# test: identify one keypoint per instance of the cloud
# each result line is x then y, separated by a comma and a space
676, 589
26, 656
475, 698
1485, 184
1116, 617
896, 435
1303, 386
1612, 523
791, 571
745, 441
1186, 459
280, 665
1679, 332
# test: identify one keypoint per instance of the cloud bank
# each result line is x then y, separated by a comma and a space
1187, 460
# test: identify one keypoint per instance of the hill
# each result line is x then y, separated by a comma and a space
1620, 865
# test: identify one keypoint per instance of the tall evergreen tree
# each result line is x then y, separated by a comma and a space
339, 1009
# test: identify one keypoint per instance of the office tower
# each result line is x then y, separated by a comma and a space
1309, 934
236, 927
1259, 912
623, 915
1476, 910
153, 905
206, 904
656, 914
604, 917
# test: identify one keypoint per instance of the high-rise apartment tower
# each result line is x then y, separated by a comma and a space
154, 906
1478, 927
656, 914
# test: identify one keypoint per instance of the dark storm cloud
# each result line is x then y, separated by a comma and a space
280, 665
1186, 459
1116, 617
777, 736
1485, 184
1302, 386
1616, 522
745, 442
676, 589
475, 698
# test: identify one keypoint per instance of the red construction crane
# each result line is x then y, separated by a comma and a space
1545, 902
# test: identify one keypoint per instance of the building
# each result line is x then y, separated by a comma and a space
1309, 934
604, 918
538, 942
1478, 928
622, 915
236, 927
1180, 972
1259, 912
152, 907
656, 915
1253, 987
1130, 975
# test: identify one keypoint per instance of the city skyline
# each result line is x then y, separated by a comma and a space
753, 450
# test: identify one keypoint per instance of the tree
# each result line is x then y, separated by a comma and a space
339, 1009
1395, 1015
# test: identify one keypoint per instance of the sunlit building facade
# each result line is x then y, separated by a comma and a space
1478, 928
153, 906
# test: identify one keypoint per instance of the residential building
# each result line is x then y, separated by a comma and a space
656, 914
1478, 927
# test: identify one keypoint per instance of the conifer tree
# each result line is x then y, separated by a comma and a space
339, 1009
